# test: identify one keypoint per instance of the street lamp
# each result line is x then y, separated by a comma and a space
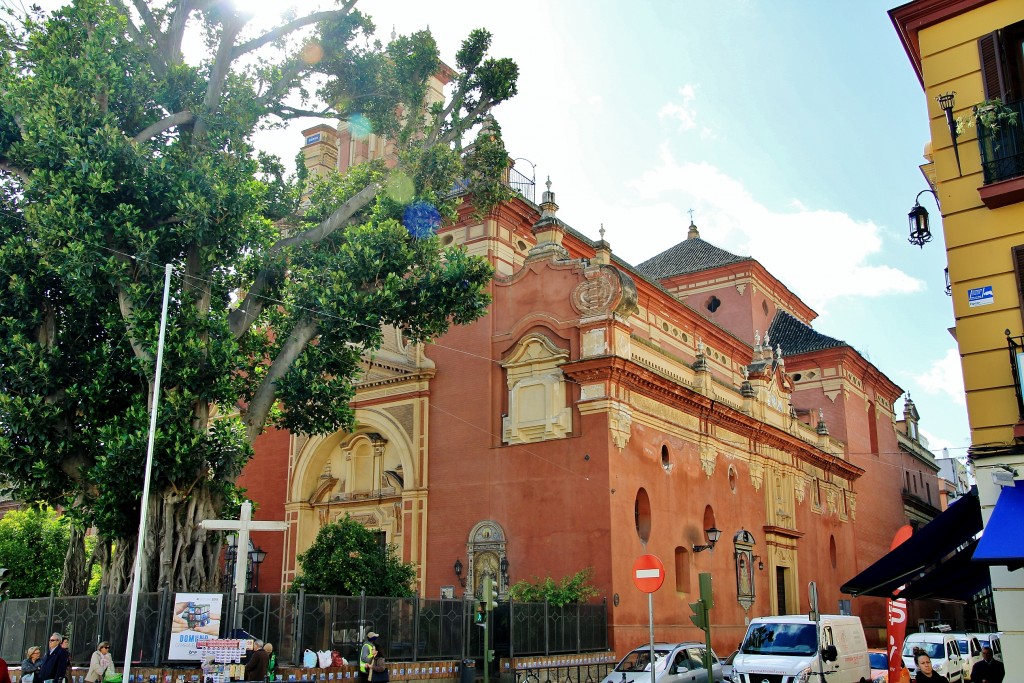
458, 572
713, 534
256, 557
920, 232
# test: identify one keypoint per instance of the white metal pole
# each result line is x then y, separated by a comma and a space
650, 624
144, 504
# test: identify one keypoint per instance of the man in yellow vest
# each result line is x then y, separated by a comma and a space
366, 656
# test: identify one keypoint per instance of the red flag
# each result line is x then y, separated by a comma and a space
896, 610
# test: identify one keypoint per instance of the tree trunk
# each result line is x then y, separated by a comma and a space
176, 553
76, 570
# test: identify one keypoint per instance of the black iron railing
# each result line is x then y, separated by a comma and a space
1002, 150
412, 629
514, 180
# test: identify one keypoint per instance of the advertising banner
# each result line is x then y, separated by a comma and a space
195, 617
897, 618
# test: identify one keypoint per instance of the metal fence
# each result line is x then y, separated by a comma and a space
411, 629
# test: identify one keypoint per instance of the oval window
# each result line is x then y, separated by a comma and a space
642, 515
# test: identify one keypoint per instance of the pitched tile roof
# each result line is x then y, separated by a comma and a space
689, 256
797, 337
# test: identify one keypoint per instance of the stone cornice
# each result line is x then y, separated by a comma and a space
634, 377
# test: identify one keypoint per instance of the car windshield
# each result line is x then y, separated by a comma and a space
640, 660
984, 643
780, 639
934, 650
963, 645
878, 660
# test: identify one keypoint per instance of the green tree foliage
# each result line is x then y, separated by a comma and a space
32, 546
118, 155
570, 589
347, 558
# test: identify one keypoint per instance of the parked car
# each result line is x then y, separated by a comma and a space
879, 661
673, 663
943, 650
970, 651
727, 667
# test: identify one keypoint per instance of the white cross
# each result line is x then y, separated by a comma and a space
242, 527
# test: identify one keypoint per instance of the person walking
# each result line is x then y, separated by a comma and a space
367, 653
988, 670
99, 663
256, 667
271, 660
30, 665
925, 672
55, 664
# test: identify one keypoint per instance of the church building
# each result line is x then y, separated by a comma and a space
683, 407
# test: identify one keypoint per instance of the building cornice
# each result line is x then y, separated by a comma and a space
631, 376
911, 18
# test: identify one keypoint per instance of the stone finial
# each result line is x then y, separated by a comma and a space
746, 373
548, 207
601, 232
394, 34
822, 427
757, 340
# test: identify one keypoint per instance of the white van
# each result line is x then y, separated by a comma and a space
942, 649
791, 648
993, 641
970, 652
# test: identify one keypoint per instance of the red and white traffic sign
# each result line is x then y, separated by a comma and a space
648, 573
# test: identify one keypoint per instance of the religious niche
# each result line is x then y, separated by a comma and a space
743, 553
486, 553
537, 405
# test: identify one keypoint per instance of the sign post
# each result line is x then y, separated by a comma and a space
649, 575
815, 616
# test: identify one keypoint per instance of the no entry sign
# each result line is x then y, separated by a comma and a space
648, 573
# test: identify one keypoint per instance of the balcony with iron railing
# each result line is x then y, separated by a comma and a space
1002, 149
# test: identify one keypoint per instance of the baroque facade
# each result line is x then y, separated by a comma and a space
601, 411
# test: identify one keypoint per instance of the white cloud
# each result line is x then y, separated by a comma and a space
945, 376
787, 242
683, 112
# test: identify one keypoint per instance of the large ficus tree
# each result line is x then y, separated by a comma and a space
120, 153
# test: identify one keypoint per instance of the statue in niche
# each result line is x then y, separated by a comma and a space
486, 564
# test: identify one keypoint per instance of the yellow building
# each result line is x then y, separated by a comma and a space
968, 55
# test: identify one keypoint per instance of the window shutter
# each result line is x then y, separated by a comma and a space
1018, 270
992, 75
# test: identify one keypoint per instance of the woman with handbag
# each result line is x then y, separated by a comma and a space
101, 666
31, 664
379, 671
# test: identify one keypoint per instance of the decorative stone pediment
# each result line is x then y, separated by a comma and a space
537, 407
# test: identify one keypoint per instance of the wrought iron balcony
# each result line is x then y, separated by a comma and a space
1002, 150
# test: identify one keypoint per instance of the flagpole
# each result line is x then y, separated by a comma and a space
144, 505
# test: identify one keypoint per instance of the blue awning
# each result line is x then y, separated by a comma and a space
1002, 543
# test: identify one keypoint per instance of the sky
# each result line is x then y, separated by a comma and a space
793, 129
